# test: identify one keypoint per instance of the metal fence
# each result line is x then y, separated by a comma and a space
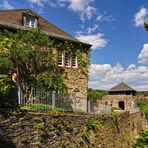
44, 99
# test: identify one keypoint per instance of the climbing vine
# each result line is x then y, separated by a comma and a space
78, 50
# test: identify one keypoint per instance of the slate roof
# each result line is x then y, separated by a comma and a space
14, 19
121, 87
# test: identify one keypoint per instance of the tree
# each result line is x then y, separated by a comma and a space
146, 26
30, 54
96, 94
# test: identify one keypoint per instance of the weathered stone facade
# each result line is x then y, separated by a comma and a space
23, 129
76, 83
114, 100
76, 80
121, 97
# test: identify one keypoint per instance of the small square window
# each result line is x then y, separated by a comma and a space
30, 22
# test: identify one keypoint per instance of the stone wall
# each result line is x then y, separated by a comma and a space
23, 129
76, 81
113, 100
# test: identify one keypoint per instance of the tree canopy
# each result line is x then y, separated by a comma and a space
30, 54
96, 94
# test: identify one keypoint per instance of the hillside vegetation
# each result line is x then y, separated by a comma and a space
94, 94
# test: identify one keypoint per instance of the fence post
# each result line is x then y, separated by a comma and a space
53, 98
74, 103
89, 106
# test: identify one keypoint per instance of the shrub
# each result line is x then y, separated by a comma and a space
143, 104
92, 124
142, 141
4, 85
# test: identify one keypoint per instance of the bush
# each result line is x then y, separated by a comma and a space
7, 92
142, 141
143, 104
4, 85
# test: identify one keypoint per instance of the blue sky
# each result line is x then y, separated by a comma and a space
113, 27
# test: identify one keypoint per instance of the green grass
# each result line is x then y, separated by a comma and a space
44, 107
37, 107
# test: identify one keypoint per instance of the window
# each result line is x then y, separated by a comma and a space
74, 61
60, 57
67, 60
30, 22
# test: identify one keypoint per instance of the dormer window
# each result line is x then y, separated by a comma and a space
30, 22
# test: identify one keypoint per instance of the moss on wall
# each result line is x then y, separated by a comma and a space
23, 129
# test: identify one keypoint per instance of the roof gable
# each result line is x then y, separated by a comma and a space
121, 87
14, 18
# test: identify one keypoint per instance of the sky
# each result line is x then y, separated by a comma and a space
113, 27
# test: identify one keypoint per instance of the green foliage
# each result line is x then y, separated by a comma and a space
115, 114
69, 128
81, 62
37, 119
90, 124
142, 141
80, 111
37, 143
96, 94
143, 104
93, 124
146, 26
30, 53
4, 84
43, 107
39, 126
37, 106
24, 138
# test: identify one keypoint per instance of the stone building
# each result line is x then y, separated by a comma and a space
75, 79
121, 97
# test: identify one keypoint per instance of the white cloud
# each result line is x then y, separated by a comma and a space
131, 66
143, 56
6, 5
92, 29
96, 40
105, 18
83, 7
39, 3
140, 17
106, 76
99, 17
